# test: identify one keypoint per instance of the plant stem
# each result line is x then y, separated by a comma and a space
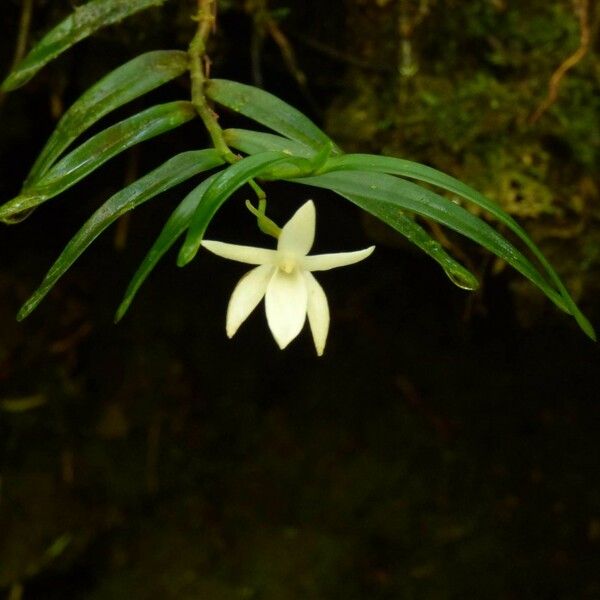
197, 51
206, 18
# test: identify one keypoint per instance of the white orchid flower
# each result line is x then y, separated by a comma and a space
284, 278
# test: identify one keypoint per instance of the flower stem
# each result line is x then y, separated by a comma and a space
265, 224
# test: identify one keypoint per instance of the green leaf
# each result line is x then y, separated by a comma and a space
96, 151
174, 228
268, 110
370, 191
253, 142
80, 24
174, 171
405, 225
413, 170
135, 78
306, 160
223, 186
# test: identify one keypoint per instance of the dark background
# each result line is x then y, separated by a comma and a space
446, 446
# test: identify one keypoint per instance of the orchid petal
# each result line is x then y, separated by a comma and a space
318, 312
324, 262
249, 291
285, 302
298, 234
244, 254
284, 279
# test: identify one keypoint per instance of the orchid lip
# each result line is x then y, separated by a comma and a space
287, 264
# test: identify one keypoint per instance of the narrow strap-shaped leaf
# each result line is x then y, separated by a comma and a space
306, 160
133, 79
78, 25
413, 170
369, 190
414, 233
174, 171
268, 110
253, 142
97, 150
173, 229
222, 187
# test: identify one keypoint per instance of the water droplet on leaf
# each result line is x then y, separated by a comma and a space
462, 278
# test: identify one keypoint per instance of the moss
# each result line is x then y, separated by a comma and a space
482, 68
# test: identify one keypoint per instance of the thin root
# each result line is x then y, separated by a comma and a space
582, 10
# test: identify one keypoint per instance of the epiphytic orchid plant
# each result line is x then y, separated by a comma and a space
294, 150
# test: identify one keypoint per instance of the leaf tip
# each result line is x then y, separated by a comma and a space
16, 79
463, 279
123, 307
23, 313
8, 85
30, 305
18, 209
186, 255
586, 326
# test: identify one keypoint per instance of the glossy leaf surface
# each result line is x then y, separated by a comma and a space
414, 233
268, 110
84, 21
413, 170
171, 173
253, 142
97, 150
373, 191
222, 187
174, 228
135, 78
